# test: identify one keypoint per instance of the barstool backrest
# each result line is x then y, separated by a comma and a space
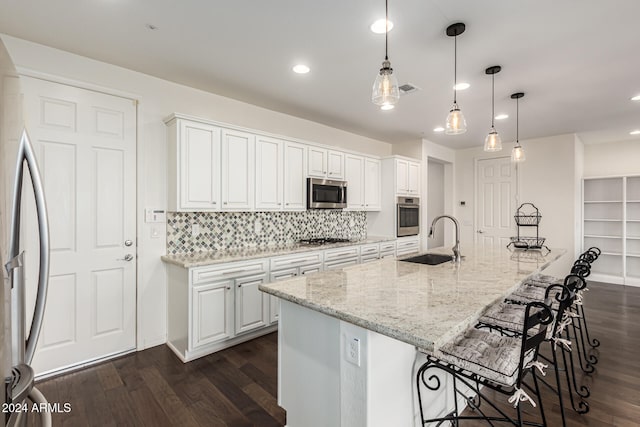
540, 315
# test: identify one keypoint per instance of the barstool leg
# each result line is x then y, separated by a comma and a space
537, 386
592, 342
558, 384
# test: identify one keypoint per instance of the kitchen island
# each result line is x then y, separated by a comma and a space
349, 340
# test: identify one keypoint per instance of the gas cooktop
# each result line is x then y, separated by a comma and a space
323, 240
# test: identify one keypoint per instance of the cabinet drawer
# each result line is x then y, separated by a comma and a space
369, 258
369, 249
227, 271
387, 247
285, 262
340, 264
341, 253
283, 274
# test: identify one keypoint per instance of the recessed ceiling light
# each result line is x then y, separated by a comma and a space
438, 129
301, 69
502, 116
462, 86
378, 27
386, 107
635, 132
635, 98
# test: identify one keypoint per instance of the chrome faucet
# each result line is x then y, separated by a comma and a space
456, 247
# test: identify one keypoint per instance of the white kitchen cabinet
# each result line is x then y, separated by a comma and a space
388, 249
212, 317
237, 170
372, 184
252, 306
354, 175
369, 252
295, 176
323, 163
335, 164
407, 245
269, 184
363, 176
194, 166
407, 177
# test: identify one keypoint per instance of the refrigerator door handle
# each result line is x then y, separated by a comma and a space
26, 155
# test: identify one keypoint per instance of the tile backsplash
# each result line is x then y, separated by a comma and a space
236, 230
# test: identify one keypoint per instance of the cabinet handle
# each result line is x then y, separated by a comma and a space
239, 286
343, 253
228, 287
287, 204
225, 203
213, 203
236, 271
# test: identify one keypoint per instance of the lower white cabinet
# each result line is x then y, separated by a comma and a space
212, 306
252, 306
407, 245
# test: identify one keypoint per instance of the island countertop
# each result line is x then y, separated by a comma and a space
421, 305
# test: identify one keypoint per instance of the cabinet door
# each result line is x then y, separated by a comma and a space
212, 313
295, 177
252, 306
269, 173
317, 162
310, 269
402, 176
335, 165
372, 184
199, 174
274, 302
414, 178
354, 175
237, 170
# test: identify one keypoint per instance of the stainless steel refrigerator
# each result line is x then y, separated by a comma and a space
19, 178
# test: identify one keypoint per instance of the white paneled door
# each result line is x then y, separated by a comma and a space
86, 147
496, 196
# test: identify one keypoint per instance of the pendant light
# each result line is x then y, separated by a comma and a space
456, 123
517, 154
493, 142
385, 88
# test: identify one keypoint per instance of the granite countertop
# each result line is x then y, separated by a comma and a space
419, 304
199, 259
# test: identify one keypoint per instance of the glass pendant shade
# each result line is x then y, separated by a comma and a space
493, 142
517, 154
385, 88
456, 124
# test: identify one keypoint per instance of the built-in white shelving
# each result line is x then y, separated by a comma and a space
611, 222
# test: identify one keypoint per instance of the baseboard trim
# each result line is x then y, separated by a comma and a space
79, 366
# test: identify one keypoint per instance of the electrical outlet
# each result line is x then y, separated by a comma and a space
195, 229
353, 349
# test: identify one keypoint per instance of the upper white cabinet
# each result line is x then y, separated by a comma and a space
237, 170
269, 173
372, 184
194, 161
363, 182
407, 177
295, 176
325, 163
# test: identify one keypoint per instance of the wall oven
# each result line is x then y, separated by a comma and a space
408, 216
326, 194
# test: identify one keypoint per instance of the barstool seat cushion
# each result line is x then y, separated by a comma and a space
543, 280
506, 316
527, 293
488, 355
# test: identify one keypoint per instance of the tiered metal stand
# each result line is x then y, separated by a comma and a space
528, 217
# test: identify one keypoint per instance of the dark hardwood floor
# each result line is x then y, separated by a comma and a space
237, 386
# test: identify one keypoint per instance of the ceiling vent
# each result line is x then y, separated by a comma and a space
408, 88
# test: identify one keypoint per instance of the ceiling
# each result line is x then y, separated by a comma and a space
576, 60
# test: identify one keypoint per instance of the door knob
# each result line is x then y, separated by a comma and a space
127, 257
480, 231
128, 242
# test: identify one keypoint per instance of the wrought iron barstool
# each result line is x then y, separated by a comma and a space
478, 358
506, 319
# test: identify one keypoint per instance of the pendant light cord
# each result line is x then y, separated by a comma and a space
386, 29
455, 66
517, 120
493, 95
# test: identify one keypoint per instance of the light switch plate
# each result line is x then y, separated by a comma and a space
154, 215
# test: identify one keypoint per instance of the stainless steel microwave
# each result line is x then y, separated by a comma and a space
408, 216
326, 194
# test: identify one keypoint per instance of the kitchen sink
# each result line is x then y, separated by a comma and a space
429, 259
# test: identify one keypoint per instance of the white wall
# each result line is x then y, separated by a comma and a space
157, 99
612, 158
408, 149
547, 179
435, 205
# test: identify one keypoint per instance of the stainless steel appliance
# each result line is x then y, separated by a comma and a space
326, 194
408, 216
16, 346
